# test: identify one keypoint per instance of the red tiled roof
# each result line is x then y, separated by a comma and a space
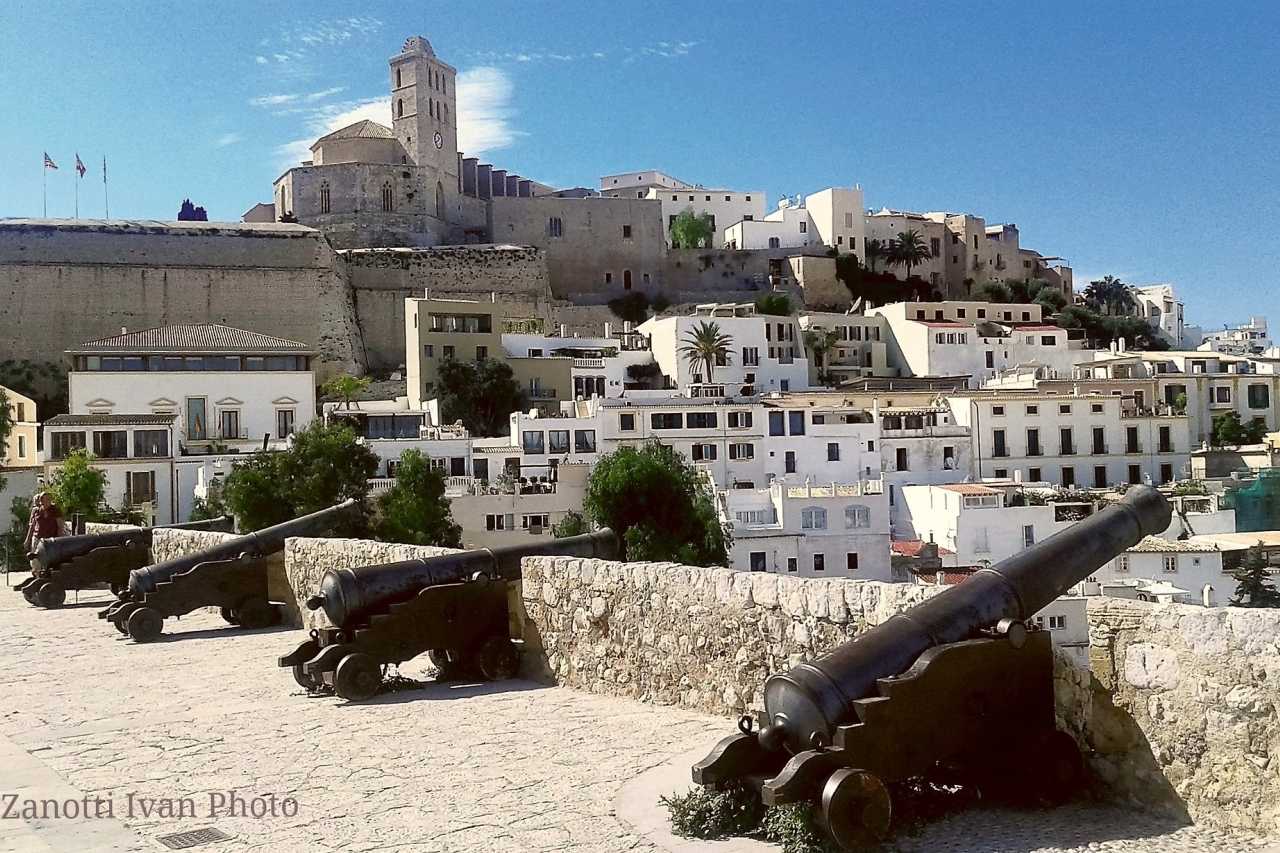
913, 547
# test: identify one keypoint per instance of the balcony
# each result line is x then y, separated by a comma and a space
589, 363
139, 498
540, 393
837, 490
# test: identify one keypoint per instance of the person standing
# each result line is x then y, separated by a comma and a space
46, 522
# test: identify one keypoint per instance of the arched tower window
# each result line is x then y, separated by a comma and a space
439, 200
400, 108
398, 81
387, 200
431, 107
324, 197
446, 111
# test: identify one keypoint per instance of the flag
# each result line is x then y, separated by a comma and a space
48, 163
104, 169
79, 166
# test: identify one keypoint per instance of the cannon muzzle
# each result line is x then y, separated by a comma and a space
349, 595
269, 540
804, 706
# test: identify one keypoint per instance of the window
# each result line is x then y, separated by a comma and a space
398, 83
900, 459
759, 562
626, 279
813, 518
1170, 564
1033, 442
399, 111
499, 521
584, 441
538, 520
555, 227
1259, 397
666, 420
742, 451
777, 423
111, 444
750, 356
819, 562
796, 422
789, 462
142, 488
1028, 535
1131, 440
1067, 441
388, 203
1068, 476
997, 411
1099, 440
284, 423
558, 441
627, 422
22, 446
791, 564
324, 197
65, 443
1122, 564
739, 420
1135, 474
1033, 475
833, 451
482, 353
1100, 476
1166, 440
1047, 340
534, 441
1095, 408
703, 452
804, 227
1057, 623
429, 350
626, 232
447, 351
851, 562
999, 448
857, 516
1033, 410
229, 423
1222, 394
702, 420
1166, 473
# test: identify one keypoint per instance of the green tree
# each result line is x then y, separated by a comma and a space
480, 394
324, 465
415, 510
343, 387
573, 524
1255, 587
822, 342
633, 306
691, 231
706, 345
1109, 295
774, 304
875, 251
12, 551
78, 488
909, 250
1229, 431
658, 504
995, 291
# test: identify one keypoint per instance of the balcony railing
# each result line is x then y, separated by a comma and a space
589, 363
837, 490
139, 498
541, 393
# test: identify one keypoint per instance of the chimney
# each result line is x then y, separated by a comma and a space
562, 328
608, 329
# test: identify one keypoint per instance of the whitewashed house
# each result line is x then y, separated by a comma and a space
135, 451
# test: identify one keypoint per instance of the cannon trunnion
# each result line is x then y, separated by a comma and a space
454, 607
231, 576
956, 689
94, 560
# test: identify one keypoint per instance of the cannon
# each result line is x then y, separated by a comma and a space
454, 607
957, 689
231, 576
95, 559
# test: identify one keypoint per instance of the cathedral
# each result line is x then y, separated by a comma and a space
368, 185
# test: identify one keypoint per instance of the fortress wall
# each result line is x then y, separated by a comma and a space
65, 283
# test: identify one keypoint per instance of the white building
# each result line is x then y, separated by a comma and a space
1249, 338
1160, 307
601, 366
810, 530
724, 206
788, 227
885, 225
982, 523
766, 353
135, 451
861, 348
837, 214
1156, 569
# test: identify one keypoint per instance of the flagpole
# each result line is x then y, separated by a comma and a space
106, 205
78, 195
44, 190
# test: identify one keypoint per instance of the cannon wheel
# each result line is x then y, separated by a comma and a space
357, 677
307, 651
255, 613
29, 593
856, 809
51, 594
229, 616
145, 624
448, 665
498, 659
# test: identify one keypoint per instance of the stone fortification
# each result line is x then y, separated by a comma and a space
64, 283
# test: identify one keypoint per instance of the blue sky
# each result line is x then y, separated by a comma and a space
1133, 139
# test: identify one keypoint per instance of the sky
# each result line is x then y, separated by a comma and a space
1133, 139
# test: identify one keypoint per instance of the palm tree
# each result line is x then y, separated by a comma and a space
706, 345
909, 250
821, 342
1110, 295
875, 251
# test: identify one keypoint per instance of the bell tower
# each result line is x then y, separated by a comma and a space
424, 118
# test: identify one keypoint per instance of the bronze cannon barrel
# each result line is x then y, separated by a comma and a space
52, 552
804, 707
269, 540
348, 595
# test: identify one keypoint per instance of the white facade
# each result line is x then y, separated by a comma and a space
788, 227
600, 365
766, 353
810, 530
838, 215
1185, 572
977, 523
885, 225
724, 206
136, 452
1251, 338
1159, 306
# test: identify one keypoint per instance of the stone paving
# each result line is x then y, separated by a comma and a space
502, 768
